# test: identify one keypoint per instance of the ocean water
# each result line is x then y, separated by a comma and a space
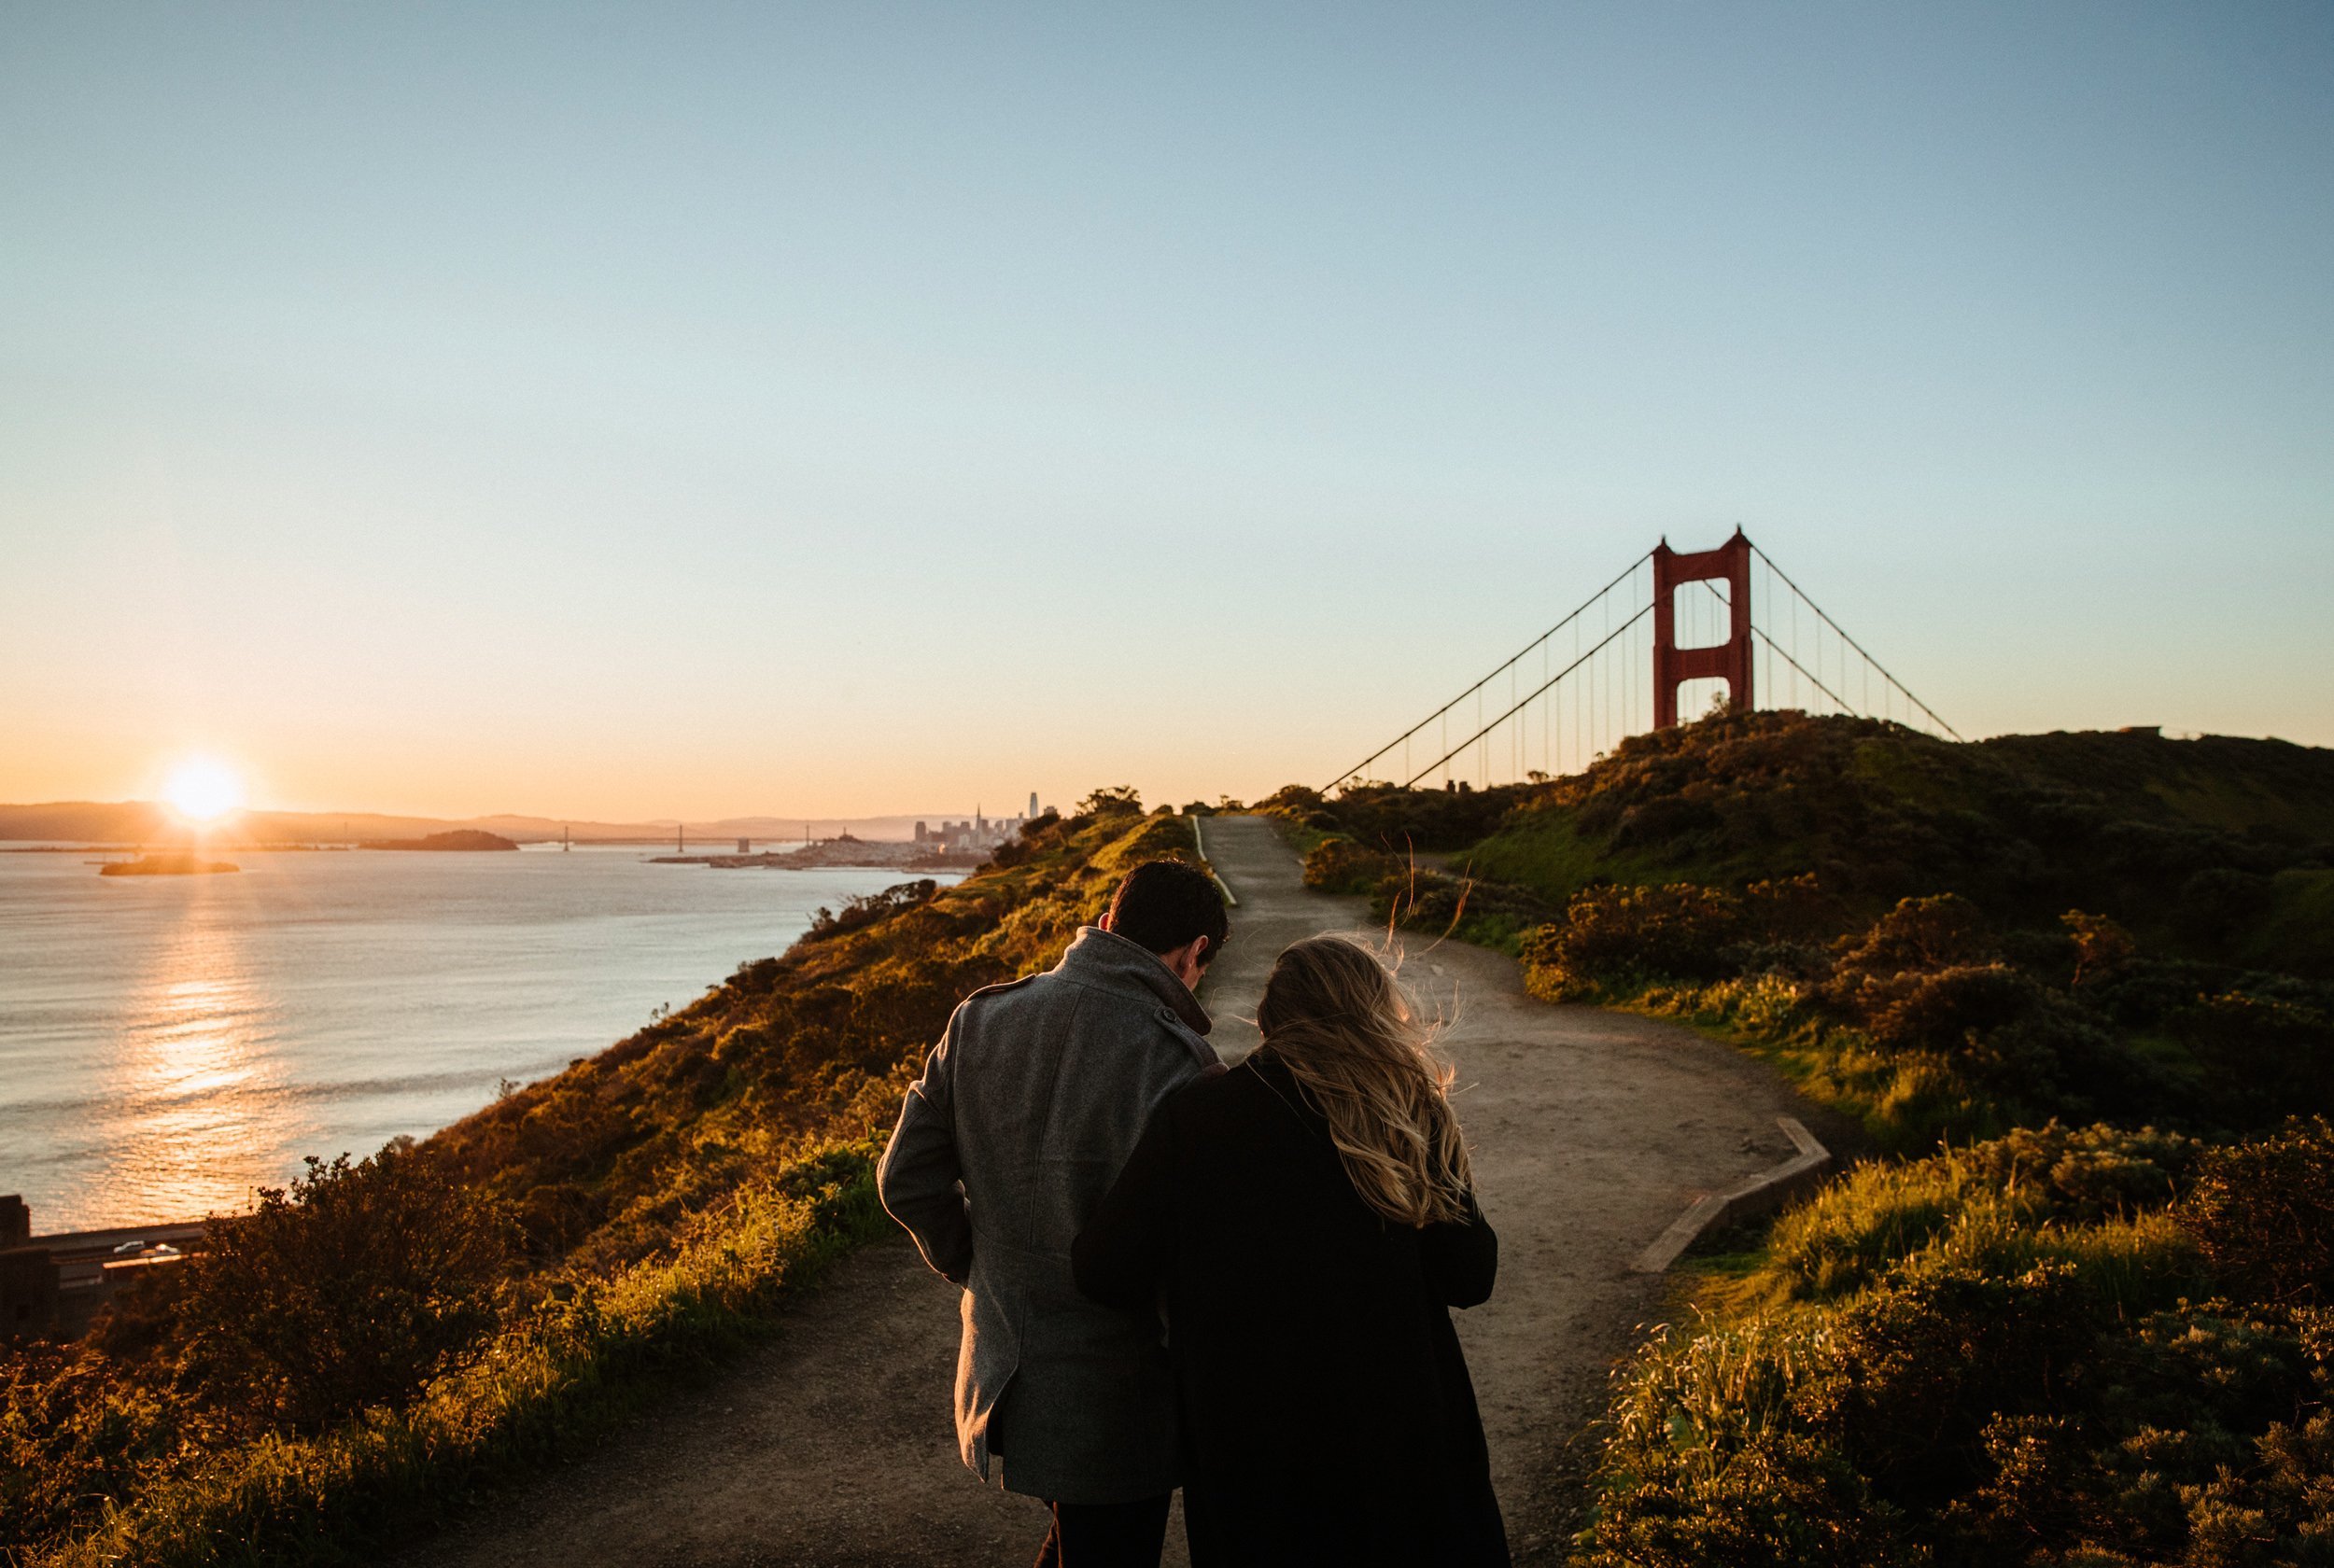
169, 1042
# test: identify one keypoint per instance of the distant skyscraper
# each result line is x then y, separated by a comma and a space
1033, 803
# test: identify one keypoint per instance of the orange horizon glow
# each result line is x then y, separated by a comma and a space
1182, 415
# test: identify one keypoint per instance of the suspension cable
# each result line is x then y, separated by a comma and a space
1851, 642
1802, 669
1592, 729
1511, 712
1447, 708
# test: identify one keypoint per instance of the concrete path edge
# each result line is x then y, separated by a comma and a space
1755, 1195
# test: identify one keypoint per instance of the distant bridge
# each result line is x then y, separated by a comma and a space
1669, 636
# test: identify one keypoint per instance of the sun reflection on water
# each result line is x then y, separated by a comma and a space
168, 1044
193, 1121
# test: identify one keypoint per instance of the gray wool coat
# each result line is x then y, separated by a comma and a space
1027, 1109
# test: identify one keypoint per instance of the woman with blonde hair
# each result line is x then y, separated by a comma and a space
1308, 1221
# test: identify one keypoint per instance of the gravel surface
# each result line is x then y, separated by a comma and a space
832, 1444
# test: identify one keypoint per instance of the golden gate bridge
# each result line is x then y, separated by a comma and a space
1674, 633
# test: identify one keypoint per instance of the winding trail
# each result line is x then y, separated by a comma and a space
830, 1447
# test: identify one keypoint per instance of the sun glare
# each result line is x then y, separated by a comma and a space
203, 789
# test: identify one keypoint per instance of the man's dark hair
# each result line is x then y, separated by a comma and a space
1163, 905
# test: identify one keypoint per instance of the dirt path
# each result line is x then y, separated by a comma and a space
831, 1446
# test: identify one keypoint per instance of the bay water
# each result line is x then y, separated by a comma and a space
168, 1043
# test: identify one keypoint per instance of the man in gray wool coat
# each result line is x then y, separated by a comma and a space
1027, 1109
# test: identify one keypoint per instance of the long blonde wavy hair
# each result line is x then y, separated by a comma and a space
1335, 1017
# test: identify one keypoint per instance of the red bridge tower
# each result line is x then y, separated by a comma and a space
1728, 661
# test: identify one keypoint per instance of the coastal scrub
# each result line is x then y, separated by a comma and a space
2069, 988
545, 1264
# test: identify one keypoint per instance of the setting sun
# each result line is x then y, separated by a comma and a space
203, 789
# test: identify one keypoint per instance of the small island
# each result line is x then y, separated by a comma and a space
175, 863
459, 839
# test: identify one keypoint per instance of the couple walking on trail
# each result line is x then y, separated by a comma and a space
1235, 1282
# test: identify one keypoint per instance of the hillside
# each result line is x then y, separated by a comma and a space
2080, 985
1944, 940
599, 1161
346, 1363
2215, 849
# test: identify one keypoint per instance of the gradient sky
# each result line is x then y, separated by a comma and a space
615, 412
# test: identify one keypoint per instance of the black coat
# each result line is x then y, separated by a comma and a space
1328, 1415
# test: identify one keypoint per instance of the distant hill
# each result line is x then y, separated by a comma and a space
457, 840
146, 822
2219, 847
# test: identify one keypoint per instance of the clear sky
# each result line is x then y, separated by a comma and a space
626, 410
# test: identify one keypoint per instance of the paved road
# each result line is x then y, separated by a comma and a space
831, 1447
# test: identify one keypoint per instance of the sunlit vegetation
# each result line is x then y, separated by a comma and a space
1925, 1024
1395, 821
2096, 1348
2078, 991
383, 1337
1937, 940
2200, 847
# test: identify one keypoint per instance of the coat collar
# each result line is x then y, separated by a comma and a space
1275, 1076
1105, 959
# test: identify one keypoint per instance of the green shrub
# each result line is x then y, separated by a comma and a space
1708, 1461
1615, 935
1923, 976
2101, 946
1396, 820
1492, 914
1779, 1501
1339, 865
1916, 1023
351, 1287
2219, 903
2263, 1213
1942, 1009
868, 909
77, 1429
1934, 1355
1919, 934
2086, 1174
2000, 1355
2261, 1056
1117, 800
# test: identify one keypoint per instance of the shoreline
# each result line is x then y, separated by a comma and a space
580, 955
822, 857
